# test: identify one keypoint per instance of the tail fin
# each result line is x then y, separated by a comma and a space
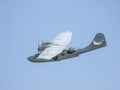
98, 42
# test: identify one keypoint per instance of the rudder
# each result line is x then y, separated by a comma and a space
98, 42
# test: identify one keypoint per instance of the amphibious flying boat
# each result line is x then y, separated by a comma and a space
55, 50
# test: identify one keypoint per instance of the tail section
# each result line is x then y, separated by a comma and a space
98, 42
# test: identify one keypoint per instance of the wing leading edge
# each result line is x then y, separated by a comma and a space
59, 44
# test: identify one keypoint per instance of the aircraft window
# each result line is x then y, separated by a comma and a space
70, 51
62, 54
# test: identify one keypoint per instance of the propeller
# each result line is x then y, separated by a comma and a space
38, 46
42, 42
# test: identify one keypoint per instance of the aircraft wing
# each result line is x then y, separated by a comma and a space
63, 38
59, 44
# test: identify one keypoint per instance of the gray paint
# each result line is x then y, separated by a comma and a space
98, 42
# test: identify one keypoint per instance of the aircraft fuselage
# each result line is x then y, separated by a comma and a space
64, 55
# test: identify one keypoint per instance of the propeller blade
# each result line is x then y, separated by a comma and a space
38, 46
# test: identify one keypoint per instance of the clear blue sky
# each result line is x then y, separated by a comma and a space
24, 23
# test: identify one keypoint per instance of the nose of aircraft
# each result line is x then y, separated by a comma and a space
31, 58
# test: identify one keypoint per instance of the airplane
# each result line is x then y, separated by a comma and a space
55, 50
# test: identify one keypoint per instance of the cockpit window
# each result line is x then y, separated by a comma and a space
36, 55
